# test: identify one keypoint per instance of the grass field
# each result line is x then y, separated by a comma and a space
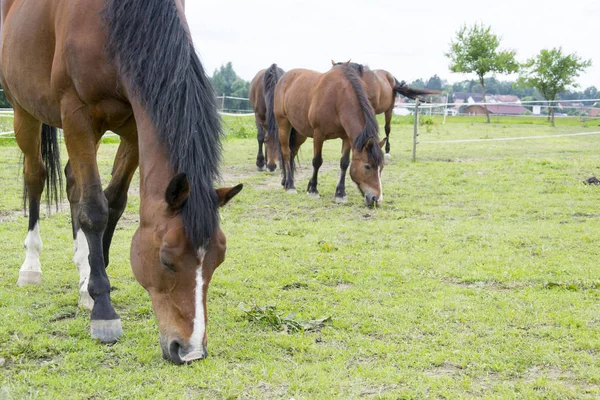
477, 278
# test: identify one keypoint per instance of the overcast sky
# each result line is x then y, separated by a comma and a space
407, 38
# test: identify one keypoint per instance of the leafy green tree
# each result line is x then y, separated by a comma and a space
590, 93
227, 83
475, 50
552, 72
434, 83
418, 84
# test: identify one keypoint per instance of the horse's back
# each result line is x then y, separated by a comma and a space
292, 98
380, 90
333, 102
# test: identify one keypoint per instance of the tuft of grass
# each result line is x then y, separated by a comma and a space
269, 316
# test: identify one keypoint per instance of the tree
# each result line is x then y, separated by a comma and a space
434, 83
552, 72
227, 83
590, 93
475, 50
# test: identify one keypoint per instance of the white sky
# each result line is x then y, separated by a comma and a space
407, 38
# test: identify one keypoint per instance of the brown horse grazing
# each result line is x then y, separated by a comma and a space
329, 106
382, 87
128, 66
262, 105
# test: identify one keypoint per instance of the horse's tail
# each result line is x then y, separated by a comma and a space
51, 157
412, 93
272, 75
371, 128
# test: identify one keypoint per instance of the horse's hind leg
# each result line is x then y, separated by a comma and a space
388, 120
93, 215
260, 137
287, 164
126, 162
28, 134
81, 251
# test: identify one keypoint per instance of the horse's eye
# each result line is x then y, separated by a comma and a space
167, 264
367, 167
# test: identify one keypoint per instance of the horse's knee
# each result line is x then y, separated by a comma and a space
93, 215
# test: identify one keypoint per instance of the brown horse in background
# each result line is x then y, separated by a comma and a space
129, 67
261, 85
330, 106
382, 87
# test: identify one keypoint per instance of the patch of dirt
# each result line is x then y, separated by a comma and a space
446, 369
127, 220
343, 286
295, 285
376, 391
493, 285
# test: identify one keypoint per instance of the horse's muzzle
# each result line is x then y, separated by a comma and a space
180, 354
372, 201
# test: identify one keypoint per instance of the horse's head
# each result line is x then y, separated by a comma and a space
365, 171
273, 149
175, 273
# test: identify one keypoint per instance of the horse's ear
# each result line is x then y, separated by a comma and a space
332, 62
177, 192
369, 145
382, 143
348, 62
226, 194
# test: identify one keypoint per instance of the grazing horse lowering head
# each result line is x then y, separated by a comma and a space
365, 170
176, 274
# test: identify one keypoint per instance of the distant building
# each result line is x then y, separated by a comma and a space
594, 112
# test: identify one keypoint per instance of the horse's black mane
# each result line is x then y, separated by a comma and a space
156, 57
371, 128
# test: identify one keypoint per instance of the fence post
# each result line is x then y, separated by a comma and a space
416, 132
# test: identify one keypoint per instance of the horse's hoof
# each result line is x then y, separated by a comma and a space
107, 331
29, 278
85, 300
341, 200
313, 195
291, 191
386, 158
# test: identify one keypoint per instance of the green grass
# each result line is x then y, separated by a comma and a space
478, 278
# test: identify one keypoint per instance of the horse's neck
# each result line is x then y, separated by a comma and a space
155, 169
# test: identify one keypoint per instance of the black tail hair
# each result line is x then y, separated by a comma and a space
272, 75
412, 93
51, 157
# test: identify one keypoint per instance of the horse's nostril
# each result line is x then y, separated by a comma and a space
374, 199
174, 347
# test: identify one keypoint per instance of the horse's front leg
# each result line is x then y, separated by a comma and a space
340, 191
317, 161
93, 214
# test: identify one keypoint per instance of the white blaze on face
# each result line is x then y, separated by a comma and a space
33, 248
380, 187
199, 319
